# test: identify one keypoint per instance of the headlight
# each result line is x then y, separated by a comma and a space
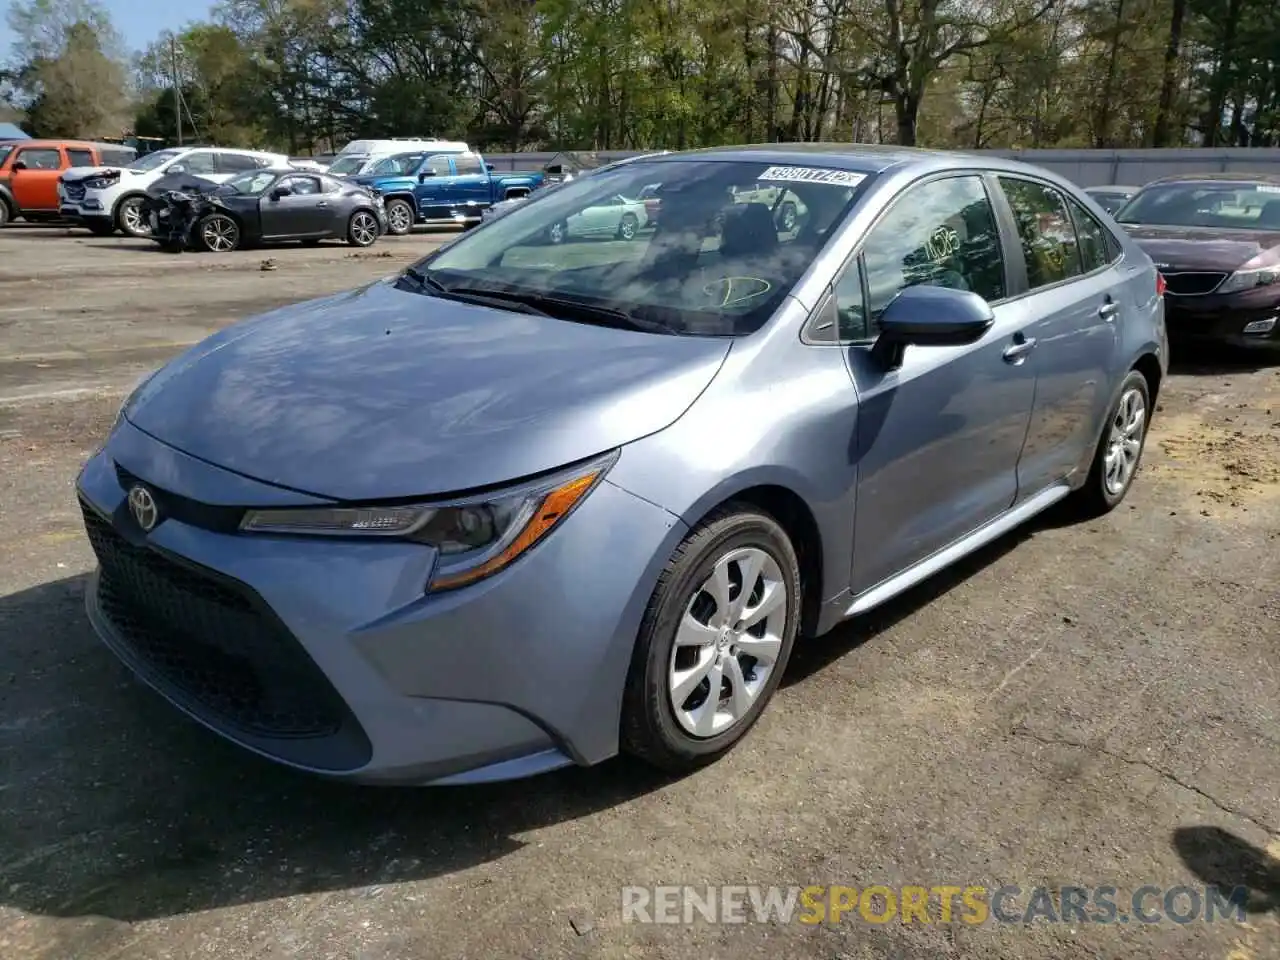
476, 536
1246, 278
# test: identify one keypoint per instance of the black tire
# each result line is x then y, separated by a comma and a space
628, 226
362, 229
100, 229
787, 216
6, 212
400, 217
124, 220
558, 233
1098, 495
219, 224
650, 730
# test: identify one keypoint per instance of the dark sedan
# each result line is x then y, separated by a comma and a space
266, 206
1111, 198
1216, 240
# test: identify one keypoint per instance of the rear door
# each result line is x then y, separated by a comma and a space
35, 188
1074, 301
470, 182
938, 439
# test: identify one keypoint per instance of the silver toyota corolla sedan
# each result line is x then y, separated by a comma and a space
529, 504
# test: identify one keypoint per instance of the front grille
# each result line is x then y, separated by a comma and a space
1192, 284
74, 191
212, 644
206, 516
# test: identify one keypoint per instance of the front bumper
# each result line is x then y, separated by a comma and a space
325, 655
1249, 320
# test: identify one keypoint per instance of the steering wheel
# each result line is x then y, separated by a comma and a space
736, 291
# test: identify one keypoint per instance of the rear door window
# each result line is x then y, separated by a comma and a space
236, 162
1048, 237
79, 158
1095, 252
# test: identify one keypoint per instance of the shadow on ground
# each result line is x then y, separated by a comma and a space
113, 804
1210, 360
1220, 858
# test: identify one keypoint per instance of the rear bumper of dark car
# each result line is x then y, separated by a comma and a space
1248, 320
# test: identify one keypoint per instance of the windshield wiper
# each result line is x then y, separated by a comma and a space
571, 309
481, 298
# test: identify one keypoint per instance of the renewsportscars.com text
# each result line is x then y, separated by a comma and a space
942, 903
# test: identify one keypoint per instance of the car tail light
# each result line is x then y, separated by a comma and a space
1160, 284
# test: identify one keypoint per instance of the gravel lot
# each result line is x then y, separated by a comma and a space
1081, 704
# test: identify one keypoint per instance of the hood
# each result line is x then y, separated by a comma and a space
385, 182
1209, 249
188, 182
380, 393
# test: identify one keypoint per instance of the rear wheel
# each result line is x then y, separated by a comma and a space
399, 217
628, 227
218, 233
714, 641
131, 217
6, 214
558, 232
787, 216
362, 229
1120, 450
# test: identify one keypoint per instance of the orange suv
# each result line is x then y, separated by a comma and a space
29, 171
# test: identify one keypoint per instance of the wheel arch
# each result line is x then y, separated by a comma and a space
1148, 364
406, 197
778, 499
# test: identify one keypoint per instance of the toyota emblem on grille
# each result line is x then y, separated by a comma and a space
143, 507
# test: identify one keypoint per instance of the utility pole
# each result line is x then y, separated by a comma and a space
177, 87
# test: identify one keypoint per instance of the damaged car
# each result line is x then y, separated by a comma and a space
265, 206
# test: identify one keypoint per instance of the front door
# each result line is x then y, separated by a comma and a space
303, 213
1076, 298
938, 439
35, 186
434, 191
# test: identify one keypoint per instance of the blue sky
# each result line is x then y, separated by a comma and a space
139, 21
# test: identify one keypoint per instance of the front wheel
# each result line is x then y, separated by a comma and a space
131, 218
558, 233
399, 218
362, 230
628, 227
1120, 450
218, 233
714, 641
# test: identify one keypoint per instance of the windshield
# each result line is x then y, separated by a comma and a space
249, 183
717, 262
349, 164
1222, 204
401, 164
153, 160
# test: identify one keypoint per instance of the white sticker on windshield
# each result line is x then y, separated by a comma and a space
837, 178
1264, 188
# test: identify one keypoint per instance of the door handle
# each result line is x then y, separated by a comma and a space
1017, 351
323, 203
1109, 310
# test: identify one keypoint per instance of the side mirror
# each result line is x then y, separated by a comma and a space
422, 177
19, 165
279, 192
927, 316
490, 167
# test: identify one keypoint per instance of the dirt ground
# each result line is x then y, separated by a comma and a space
1081, 704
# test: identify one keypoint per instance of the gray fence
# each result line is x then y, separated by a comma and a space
1088, 168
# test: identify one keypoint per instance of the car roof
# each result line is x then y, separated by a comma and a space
854, 157
73, 144
1112, 188
1269, 178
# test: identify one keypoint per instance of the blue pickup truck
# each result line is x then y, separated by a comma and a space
420, 187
